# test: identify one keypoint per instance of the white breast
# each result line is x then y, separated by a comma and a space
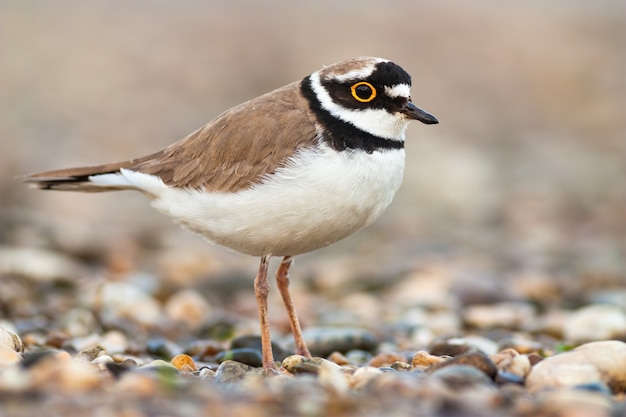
320, 197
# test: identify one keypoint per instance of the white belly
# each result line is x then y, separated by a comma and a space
318, 199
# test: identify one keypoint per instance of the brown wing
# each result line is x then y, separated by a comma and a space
230, 153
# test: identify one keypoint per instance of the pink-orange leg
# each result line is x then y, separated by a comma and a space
261, 290
282, 279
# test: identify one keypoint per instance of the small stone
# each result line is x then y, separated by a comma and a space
322, 341
11, 340
449, 349
596, 322
338, 358
114, 341
506, 314
254, 342
385, 359
38, 264
510, 361
184, 363
459, 377
363, 375
297, 364
163, 348
139, 384
477, 360
91, 353
590, 363
188, 306
249, 356
231, 371
102, 361
8, 356
400, 366
423, 360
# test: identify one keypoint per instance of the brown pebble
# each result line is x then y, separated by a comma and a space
385, 359
477, 360
184, 363
509, 360
423, 359
449, 349
338, 358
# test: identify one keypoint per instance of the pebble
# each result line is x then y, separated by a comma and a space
249, 356
511, 315
595, 322
476, 360
163, 348
363, 376
511, 362
385, 359
38, 264
119, 301
184, 363
595, 362
114, 341
254, 342
322, 341
230, 372
188, 306
11, 340
423, 360
460, 377
8, 355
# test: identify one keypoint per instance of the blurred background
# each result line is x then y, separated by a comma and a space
525, 175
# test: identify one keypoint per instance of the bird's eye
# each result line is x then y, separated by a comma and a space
363, 92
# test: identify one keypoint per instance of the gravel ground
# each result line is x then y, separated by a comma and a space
494, 285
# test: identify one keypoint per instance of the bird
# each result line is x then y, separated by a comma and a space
285, 173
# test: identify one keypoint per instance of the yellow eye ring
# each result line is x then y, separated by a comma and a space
363, 92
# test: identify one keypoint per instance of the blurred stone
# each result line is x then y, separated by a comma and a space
38, 264
446, 348
79, 322
114, 341
603, 362
423, 360
461, 377
338, 358
188, 306
123, 301
385, 359
477, 360
596, 322
363, 376
573, 402
184, 363
249, 356
322, 341
163, 348
510, 361
90, 353
254, 342
103, 361
507, 314
230, 372
10, 339
8, 355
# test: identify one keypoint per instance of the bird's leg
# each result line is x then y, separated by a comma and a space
282, 279
261, 290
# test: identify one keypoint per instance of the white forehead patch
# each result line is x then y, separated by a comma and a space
398, 90
361, 73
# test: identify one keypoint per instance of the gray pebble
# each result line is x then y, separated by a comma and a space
249, 356
322, 341
231, 371
461, 377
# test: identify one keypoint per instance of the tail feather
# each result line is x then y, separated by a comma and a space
77, 179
